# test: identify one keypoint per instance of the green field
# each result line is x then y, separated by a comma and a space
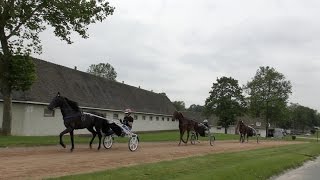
255, 164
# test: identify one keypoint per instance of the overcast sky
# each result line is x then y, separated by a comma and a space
182, 47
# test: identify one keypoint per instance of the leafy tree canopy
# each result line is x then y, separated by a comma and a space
179, 105
21, 21
104, 70
225, 101
268, 94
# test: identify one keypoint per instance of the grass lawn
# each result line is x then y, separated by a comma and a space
255, 164
10, 141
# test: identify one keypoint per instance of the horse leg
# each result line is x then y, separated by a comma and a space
197, 135
187, 137
63, 133
72, 141
181, 136
94, 133
100, 136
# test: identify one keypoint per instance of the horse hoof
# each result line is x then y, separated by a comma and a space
64, 146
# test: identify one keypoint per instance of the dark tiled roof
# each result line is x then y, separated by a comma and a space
91, 91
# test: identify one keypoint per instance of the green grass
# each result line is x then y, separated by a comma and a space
11, 141
255, 164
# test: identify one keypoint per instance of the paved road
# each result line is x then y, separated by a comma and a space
309, 171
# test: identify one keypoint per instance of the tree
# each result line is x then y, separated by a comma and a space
268, 94
20, 25
196, 108
303, 117
104, 70
179, 105
225, 101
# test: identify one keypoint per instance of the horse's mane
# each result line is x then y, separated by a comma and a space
73, 104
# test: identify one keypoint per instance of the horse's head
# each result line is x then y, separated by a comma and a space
239, 126
56, 102
177, 115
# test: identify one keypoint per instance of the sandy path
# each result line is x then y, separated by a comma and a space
51, 161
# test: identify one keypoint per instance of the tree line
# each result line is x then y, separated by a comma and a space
265, 96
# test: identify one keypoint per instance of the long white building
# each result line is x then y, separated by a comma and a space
152, 111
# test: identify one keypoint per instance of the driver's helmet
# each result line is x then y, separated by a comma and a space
127, 111
205, 121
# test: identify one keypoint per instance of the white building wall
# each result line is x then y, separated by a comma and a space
29, 120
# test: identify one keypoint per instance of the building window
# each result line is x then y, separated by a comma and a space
157, 118
48, 113
172, 119
150, 118
135, 117
162, 118
115, 116
143, 117
168, 119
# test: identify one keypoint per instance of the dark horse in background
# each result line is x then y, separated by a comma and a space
73, 119
245, 131
185, 124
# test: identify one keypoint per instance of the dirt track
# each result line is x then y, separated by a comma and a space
52, 161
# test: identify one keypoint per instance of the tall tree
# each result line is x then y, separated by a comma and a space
225, 101
104, 70
179, 105
20, 25
268, 94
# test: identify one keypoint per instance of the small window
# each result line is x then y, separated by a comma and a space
157, 118
172, 119
115, 116
162, 118
168, 119
150, 118
48, 113
135, 117
143, 117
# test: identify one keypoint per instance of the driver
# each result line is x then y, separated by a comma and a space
128, 120
205, 122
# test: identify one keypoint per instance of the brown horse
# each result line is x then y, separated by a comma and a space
245, 131
185, 124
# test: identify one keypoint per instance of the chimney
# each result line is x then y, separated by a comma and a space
122, 82
75, 67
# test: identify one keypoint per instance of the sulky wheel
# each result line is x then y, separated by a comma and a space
133, 143
107, 142
193, 138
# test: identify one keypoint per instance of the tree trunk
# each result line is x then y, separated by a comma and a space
7, 111
4, 83
226, 130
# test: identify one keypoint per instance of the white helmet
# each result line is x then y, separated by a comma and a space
127, 111
205, 121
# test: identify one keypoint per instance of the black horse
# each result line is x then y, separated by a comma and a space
73, 119
245, 131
